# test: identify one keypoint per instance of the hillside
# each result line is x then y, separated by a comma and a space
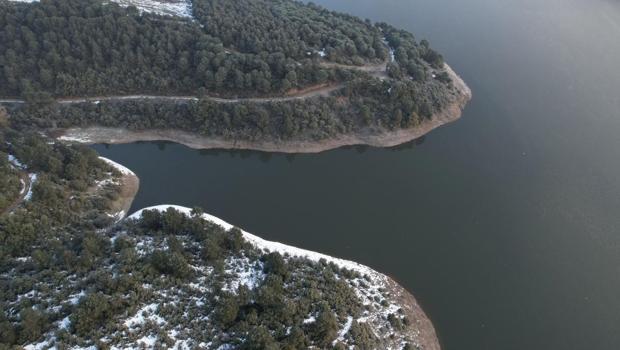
245, 73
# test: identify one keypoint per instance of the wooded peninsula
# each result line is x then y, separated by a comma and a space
272, 75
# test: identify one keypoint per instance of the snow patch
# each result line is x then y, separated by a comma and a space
16, 163
74, 299
33, 180
226, 347
65, 323
28, 295
392, 54
147, 313
41, 345
179, 8
344, 330
144, 246
243, 274
309, 320
148, 341
123, 170
181, 345
117, 217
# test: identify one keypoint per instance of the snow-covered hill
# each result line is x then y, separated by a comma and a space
182, 308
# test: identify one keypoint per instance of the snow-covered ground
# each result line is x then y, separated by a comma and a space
370, 287
179, 8
178, 310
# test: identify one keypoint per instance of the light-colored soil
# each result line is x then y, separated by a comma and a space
130, 183
376, 70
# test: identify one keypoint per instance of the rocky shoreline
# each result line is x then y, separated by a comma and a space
419, 331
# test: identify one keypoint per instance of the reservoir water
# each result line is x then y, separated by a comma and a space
505, 225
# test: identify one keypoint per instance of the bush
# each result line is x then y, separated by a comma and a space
260, 339
227, 310
325, 329
91, 313
170, 263
275, 265
33, 324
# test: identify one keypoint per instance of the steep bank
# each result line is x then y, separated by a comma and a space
129, 184
419, 330
370, 136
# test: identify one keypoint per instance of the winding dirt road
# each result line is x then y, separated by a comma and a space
377, 71
26, 184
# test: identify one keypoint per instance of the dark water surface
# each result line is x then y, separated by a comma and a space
505, 224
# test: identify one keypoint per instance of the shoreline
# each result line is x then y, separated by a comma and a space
370, 137
420, 329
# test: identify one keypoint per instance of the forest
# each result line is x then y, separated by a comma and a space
86, 48
241, 48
